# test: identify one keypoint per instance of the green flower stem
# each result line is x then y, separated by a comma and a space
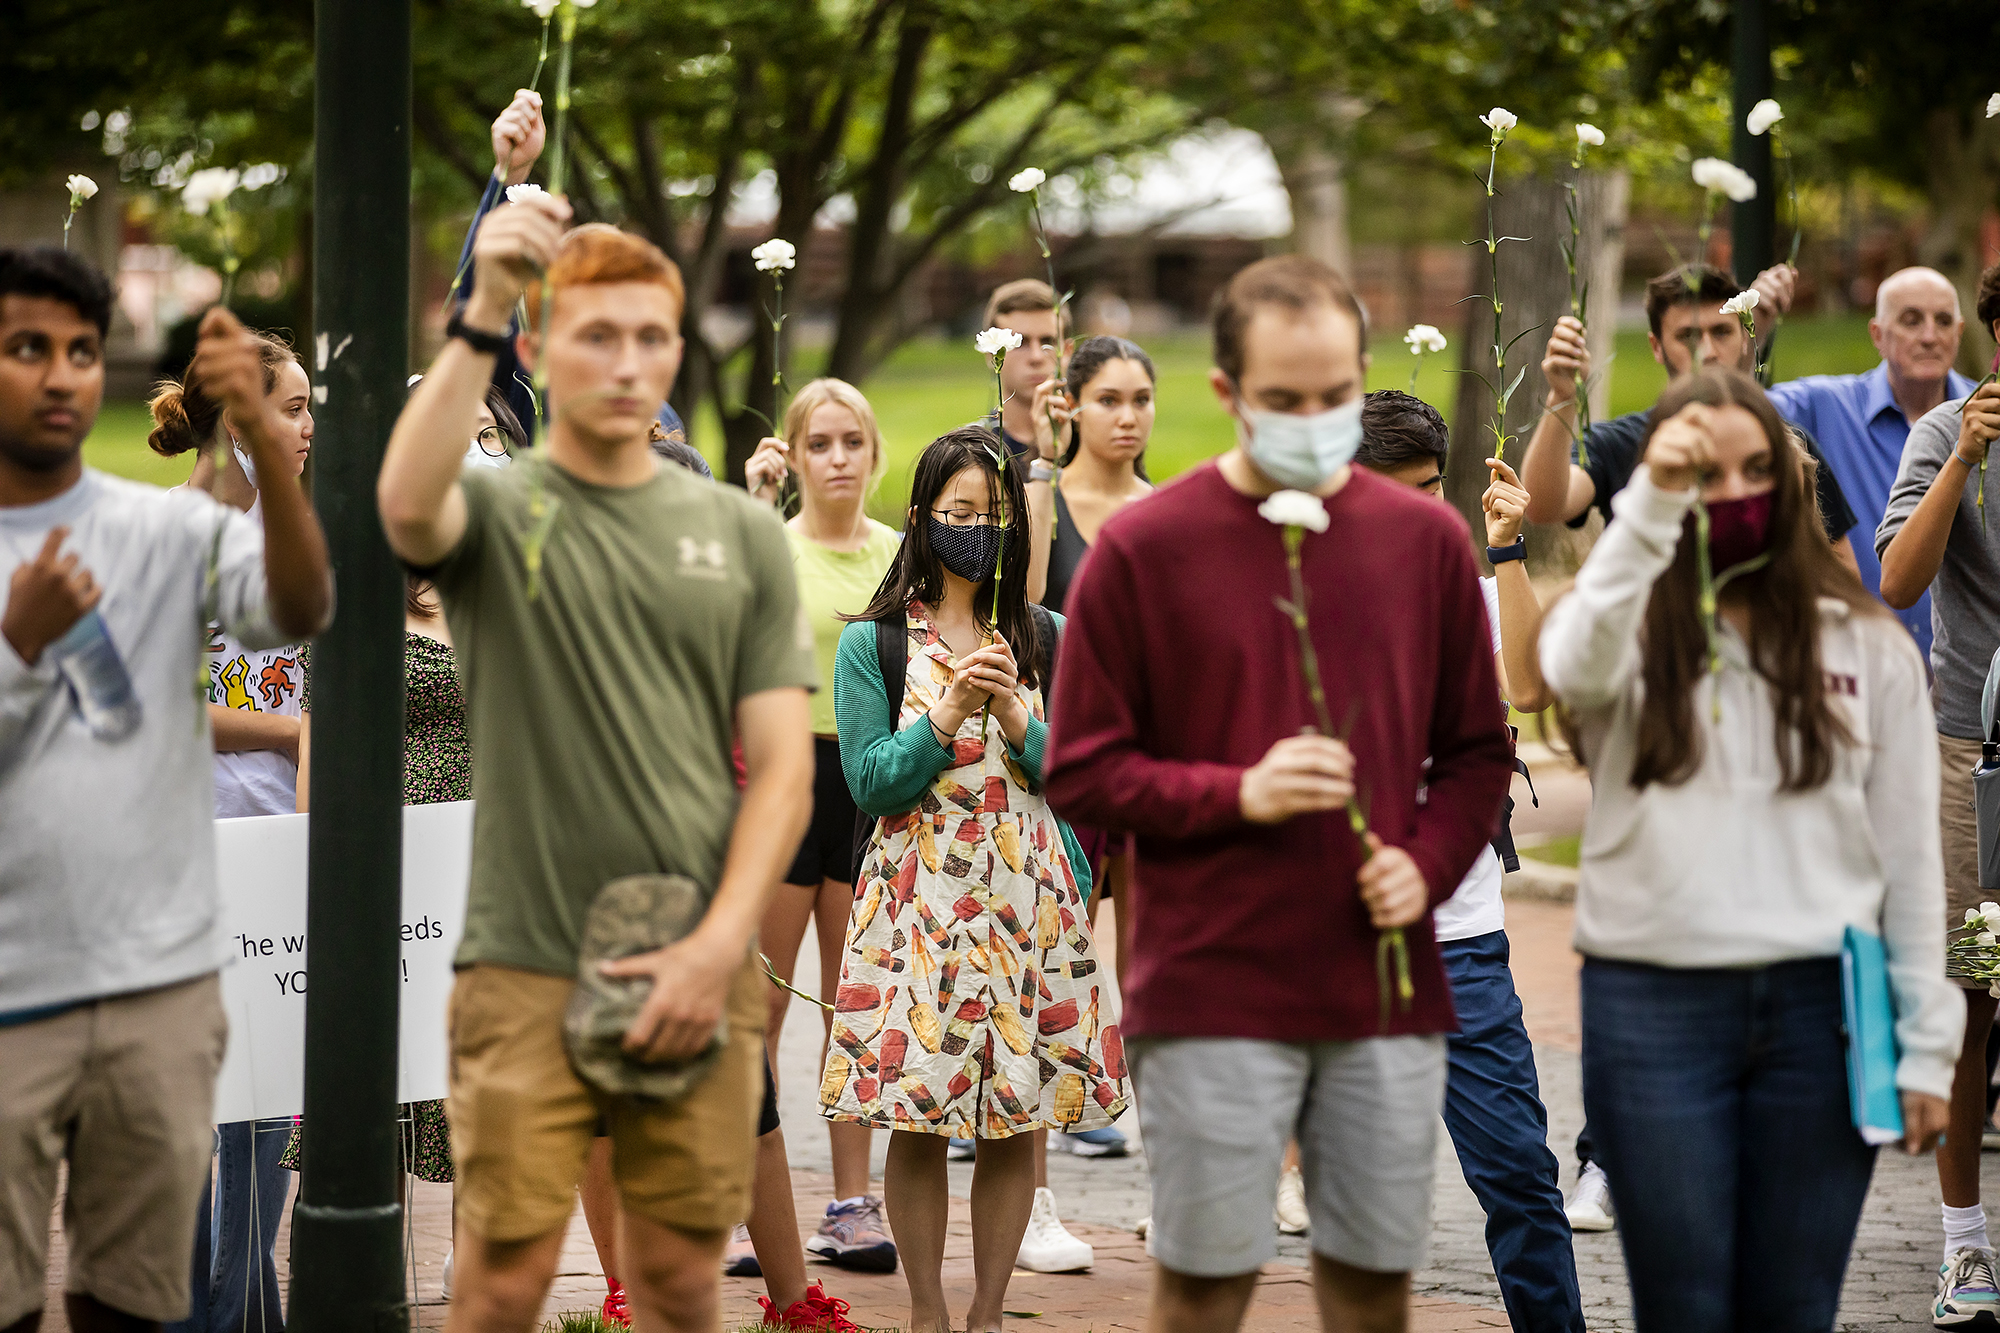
68, 218
1980, 501
542, 506
1000, 557
785, 985
1579, 292
1392, 950
1499, 343
541, 58
1062, 343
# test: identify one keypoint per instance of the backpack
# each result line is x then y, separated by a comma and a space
892, 655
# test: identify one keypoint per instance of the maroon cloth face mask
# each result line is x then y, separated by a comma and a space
1738, 530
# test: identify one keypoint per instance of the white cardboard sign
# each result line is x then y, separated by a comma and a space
261, 863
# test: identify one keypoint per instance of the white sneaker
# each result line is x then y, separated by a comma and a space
445, 1294
1589, 1207
1292, 1217
1143, 1226
1966, 1291
1047, 1248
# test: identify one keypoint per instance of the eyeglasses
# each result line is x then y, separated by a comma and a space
491, 440
964, 518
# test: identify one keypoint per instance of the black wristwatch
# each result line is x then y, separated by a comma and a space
1500, 555
479, 340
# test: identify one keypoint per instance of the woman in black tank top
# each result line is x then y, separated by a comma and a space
1110, 401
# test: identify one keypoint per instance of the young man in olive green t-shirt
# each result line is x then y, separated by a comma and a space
617, 622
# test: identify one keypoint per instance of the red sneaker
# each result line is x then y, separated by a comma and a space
614, 1307
818, 1311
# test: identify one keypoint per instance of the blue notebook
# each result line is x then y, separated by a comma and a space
1870, 1015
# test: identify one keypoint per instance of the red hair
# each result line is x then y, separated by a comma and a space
599, 253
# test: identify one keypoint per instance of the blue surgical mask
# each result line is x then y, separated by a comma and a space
1301, 452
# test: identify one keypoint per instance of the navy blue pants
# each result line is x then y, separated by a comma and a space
1493, 1110
1717, 1098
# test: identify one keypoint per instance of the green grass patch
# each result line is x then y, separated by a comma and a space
931, 385
1564, 851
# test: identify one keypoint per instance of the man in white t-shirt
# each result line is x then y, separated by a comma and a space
1493, 1106
111, 1021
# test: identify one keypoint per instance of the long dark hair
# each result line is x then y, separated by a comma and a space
916, 574
1092, 355
1783, 598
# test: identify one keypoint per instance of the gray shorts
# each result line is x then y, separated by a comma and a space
1216, 1113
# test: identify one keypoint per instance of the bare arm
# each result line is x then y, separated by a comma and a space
691, 977
1558, 490
1042, 494
423, 509
1911, 560
305, 759
1506, 504
238, 730
227, 363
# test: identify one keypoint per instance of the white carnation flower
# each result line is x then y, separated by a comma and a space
81, 187
997, 341
1028, 179
1588, 135
1712, 173
1763, 116
1295, 509
1424, 338
775, 256
1971, 916
1985, 939
1741, 304
521, 193
1993, 106
1499, 120
1989, 910
542, 8
211, 185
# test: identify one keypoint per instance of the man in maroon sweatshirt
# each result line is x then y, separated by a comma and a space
1260, 1004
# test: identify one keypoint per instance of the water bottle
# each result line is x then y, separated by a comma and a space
89, 662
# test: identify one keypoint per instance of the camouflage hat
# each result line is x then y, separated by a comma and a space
633, 915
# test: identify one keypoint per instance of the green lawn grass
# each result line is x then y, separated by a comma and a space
930, 386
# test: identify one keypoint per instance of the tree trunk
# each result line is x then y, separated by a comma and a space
1534, 289
1962, 168
1312, 162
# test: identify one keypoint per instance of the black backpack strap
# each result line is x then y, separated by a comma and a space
1046, 631
892, 657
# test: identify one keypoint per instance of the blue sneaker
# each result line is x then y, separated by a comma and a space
1105, 1142
1966, 1293
852, 1235
959, 1150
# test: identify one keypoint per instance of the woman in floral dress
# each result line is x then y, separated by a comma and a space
970, 1003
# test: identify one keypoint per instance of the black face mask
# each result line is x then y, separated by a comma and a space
969, 552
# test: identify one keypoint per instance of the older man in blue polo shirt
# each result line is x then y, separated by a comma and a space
1861, 421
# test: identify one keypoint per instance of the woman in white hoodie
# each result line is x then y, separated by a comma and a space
1758, 787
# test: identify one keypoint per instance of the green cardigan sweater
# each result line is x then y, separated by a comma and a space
888, 770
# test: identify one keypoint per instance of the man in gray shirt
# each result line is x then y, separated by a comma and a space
111, 1023
1936, 535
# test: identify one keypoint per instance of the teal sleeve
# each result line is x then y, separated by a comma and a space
1077, 863
887, 770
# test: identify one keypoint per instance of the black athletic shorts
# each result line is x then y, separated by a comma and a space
828, 849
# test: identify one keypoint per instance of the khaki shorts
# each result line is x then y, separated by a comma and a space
1958, 825
522, 1121
125, 1089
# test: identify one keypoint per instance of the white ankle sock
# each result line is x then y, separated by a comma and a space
1964, 1228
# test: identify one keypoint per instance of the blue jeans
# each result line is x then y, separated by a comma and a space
1493, 1110
1718, 1102
235, 1286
